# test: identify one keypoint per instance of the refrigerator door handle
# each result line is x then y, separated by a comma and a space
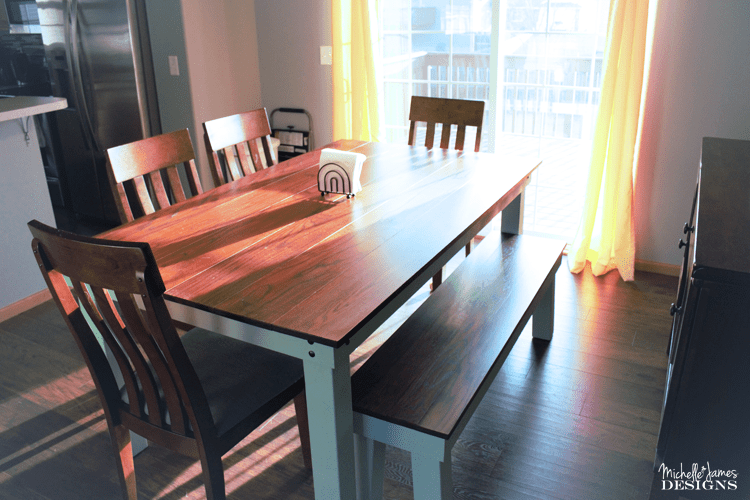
137, 51
75, 67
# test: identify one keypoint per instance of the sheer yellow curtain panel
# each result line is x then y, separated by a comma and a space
356, 61
606, 235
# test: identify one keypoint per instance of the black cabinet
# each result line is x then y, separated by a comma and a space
706, 412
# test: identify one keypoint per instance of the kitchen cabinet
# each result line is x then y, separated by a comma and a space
23, 196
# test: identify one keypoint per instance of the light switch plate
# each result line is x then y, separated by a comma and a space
326, 55
174, 66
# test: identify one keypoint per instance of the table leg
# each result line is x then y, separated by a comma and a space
329, 410
512, 215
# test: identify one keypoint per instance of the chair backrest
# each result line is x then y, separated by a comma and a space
161, 389
449, 112
239, 145
147, 159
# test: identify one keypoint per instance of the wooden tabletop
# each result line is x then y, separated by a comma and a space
269, 250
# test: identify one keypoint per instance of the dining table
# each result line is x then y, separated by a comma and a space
270, 260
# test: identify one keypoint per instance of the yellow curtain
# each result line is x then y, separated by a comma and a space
606, 236
356, 62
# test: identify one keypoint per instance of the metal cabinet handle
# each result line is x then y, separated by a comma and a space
681, 244
674, 309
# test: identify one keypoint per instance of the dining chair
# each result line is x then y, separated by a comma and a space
199, 394
448, 112
143, 163
239, 145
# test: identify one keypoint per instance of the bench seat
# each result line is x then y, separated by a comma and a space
420, 388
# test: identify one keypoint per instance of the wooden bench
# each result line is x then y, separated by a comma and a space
419, 389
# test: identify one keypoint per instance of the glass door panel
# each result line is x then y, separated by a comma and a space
549, 65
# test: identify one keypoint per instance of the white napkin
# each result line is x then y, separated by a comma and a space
339, 171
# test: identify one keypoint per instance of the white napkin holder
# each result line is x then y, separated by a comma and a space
339, 172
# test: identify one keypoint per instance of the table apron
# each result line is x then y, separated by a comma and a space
275, 341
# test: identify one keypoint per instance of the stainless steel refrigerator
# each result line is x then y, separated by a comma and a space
99, 58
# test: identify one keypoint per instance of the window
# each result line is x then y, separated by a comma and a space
542, 102
437, 48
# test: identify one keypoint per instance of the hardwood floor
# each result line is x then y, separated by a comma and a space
573, 419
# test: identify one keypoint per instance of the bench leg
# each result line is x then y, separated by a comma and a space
369, 462
432, 478
543, 320
511, 220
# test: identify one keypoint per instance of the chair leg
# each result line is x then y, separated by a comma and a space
120, 438
437, 280
469, 247
300, 407
213, 474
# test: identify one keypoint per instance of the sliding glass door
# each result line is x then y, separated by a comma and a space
536, 63
437, 48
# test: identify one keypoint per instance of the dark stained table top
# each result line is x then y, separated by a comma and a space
269, 250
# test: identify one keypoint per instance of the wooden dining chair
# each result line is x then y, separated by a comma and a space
199, 394
448, 112
239, 145
143, 163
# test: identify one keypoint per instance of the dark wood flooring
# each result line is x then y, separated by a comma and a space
573, 419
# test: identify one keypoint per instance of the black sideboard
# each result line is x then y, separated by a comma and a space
706, 412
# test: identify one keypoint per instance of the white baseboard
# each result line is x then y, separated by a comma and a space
24, 304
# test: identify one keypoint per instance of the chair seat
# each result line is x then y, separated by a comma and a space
239, 378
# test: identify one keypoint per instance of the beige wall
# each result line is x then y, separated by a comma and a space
222, 62
290, 33
699, 87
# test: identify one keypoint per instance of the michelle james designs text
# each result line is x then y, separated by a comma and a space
697, 477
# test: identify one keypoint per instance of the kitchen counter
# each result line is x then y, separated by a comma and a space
23, 196
22, 106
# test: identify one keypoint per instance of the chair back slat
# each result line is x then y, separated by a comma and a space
144, 197
178, 191
173, 391
236, 136
116, 338
193, 178
430, 137
162, 385
460, 137
448, 112
234, 166
142, 163
445, 137
256, 153
123, 205
160, 190
245, 157
157, 376
144, 358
